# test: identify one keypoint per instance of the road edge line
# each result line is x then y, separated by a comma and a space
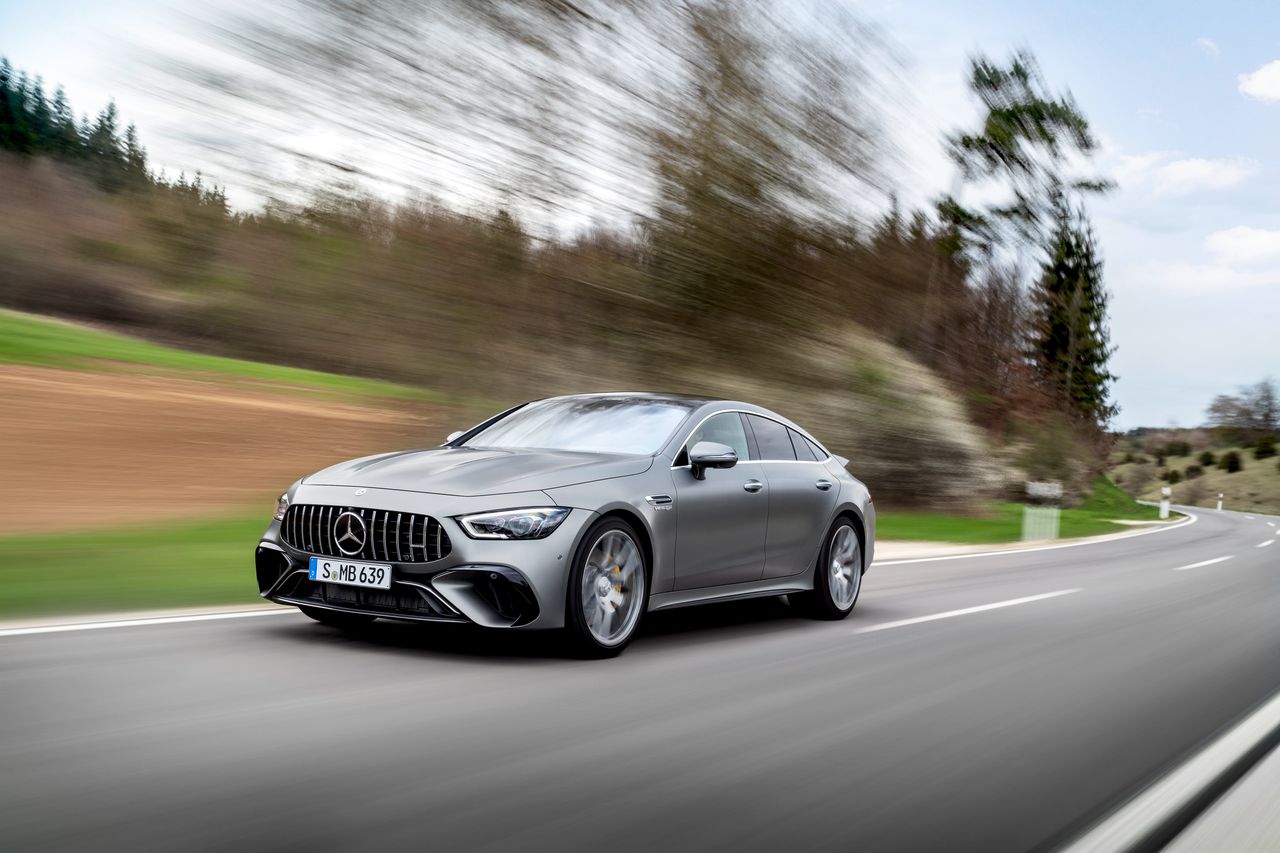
1154, 816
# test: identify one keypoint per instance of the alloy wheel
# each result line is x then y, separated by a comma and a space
613, 587
845, 567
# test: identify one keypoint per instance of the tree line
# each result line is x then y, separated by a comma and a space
34, 124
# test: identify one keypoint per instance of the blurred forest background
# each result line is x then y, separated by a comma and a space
587, 196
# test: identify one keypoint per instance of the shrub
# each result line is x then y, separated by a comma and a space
1265, 447
1177, 448
1137, 480
1160, 460
1207, 458
1230, 462
1174, 476
1194, 471
1128, 457
1193, 493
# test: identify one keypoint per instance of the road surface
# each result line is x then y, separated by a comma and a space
929, 720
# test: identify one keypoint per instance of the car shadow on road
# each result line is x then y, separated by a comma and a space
685, 626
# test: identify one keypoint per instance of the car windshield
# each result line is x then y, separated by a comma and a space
588, 424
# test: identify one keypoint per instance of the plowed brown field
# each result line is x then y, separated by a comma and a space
82, 450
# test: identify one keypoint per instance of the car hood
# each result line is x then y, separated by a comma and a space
468, 471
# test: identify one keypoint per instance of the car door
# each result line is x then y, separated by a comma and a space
722, 519
802, 495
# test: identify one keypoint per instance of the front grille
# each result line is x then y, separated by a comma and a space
390, 537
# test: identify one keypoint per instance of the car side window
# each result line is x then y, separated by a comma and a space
818, 452
772, 439
724, 428
803, 451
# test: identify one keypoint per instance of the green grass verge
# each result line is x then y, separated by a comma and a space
170, 565
32, 340
1002, 522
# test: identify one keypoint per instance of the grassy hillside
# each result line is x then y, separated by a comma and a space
1254, 488
28, 339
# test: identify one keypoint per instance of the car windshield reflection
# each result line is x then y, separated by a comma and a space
625, 425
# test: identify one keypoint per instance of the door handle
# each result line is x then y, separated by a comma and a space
753, 486
823, 485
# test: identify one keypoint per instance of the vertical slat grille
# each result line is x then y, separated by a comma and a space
402, 537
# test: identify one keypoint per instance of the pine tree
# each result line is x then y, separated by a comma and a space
66, 138
135, 156
1070, 342
15, 128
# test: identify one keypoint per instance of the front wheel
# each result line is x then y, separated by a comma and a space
608, 590
838, 579
337, 618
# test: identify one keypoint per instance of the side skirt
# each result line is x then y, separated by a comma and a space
751, 589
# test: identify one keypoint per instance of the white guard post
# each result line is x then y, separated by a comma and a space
1219, 501
1040, 515
1165, 494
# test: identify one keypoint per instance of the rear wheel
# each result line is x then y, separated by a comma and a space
839, 574
608, 590
338, 619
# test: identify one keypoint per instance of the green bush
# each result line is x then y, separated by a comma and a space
1128, 457
1207, 458
1174, 477
1177, 448
1231, 462
1265, 447
1194, 471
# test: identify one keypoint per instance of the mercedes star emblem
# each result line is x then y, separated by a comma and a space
349, 531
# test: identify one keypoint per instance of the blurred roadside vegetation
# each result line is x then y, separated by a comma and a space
751, 249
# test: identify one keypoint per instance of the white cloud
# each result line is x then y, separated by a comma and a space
1164, 173
1244, 245
1208, 46
1263, 84
1190, 278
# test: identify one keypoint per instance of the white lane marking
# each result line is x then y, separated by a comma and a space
1192, 518
133, 623
965, 611
1135, 821
1271, 524
1264, 544
1204, 563
1250, 517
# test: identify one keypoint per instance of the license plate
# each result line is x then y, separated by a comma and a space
329, 570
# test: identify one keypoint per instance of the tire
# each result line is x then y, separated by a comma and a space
605, 604
338, 619
837, 580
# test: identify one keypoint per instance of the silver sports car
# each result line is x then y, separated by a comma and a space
581, 513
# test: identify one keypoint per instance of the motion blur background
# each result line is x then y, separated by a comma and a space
377, 223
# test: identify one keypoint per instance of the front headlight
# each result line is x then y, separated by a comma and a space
534, 523
282, 506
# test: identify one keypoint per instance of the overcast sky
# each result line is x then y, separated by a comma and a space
1185, 97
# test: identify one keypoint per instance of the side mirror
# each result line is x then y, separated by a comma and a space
454, 436
710, 454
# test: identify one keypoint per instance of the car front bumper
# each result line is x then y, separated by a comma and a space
495, 583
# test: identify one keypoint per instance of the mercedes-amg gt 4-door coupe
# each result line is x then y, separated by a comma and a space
579, 513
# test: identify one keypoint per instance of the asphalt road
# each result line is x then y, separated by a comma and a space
728, 727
